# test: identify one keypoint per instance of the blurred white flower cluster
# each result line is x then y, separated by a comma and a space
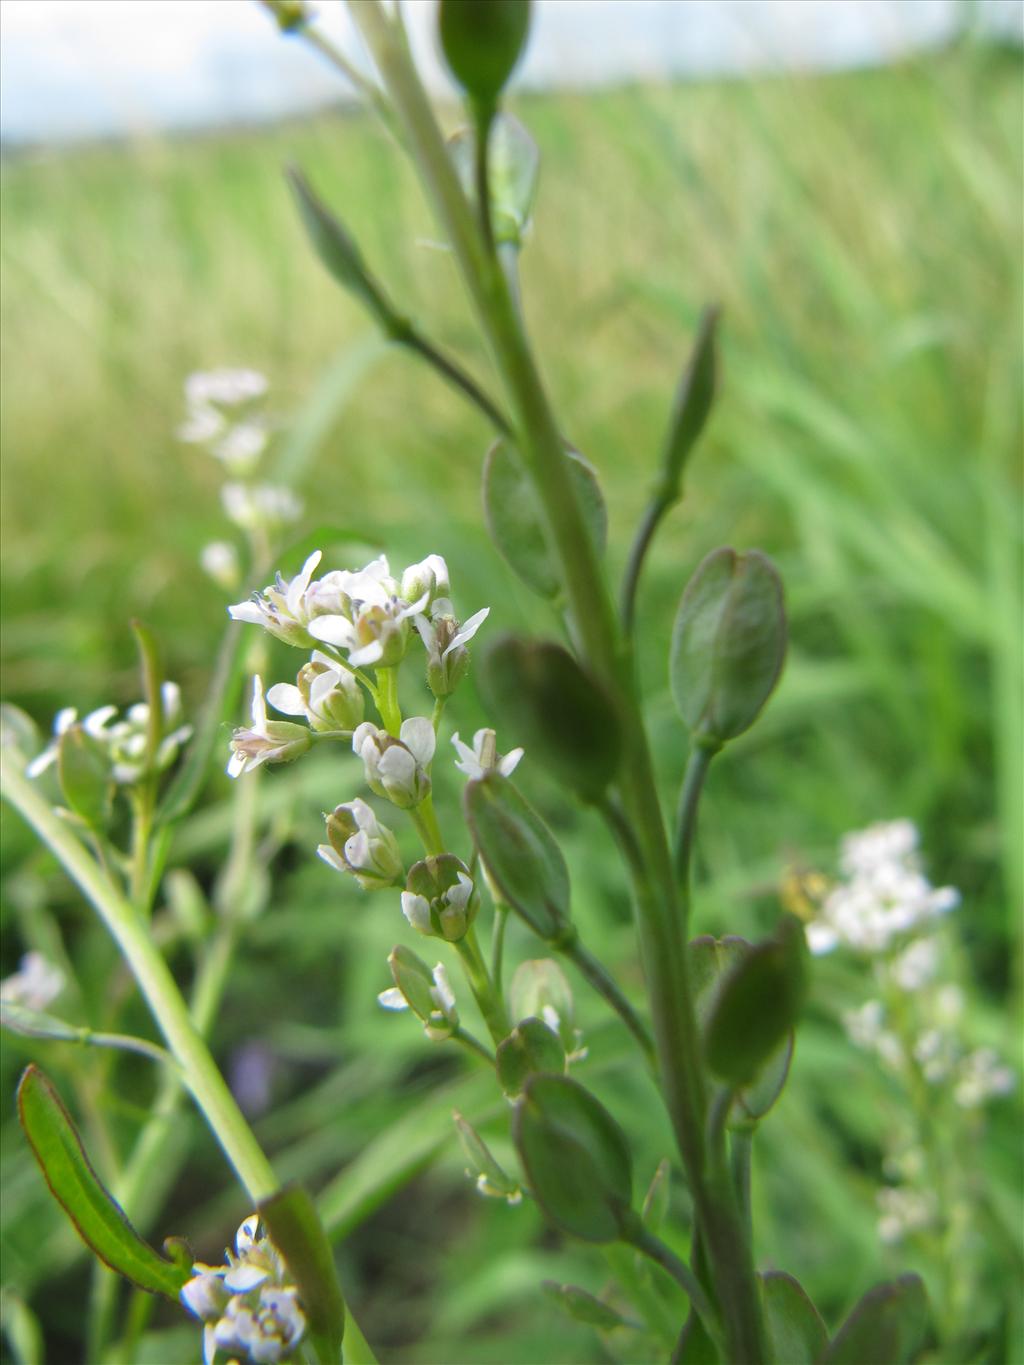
885, 909
121, 745
883, 896
35, 985
225, 413
247, 1305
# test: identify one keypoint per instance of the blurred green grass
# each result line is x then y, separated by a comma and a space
863, 234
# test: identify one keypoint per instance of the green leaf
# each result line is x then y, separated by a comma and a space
553, 707
656, 1200
576, 1158
795, 1331
690, 410
512, 165
886, 1327
84, 772
296, 1230
756, 1005
482, 41
516, 522
520, 854
530, 1048
760, 1095
728, 644
74, 1184
22, 1330
339, 252
584, 1307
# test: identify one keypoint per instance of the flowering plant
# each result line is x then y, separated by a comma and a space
712, 1024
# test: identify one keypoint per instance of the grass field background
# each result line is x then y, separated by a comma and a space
862, 233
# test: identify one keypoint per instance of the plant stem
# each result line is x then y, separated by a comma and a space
686, 820
498, 944
653, 514
644, 1240
598, 976
425, 819
156, 984
483, 118
740, 1150
386, 697
482, 987
452, 372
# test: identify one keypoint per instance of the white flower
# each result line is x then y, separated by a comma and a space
397, 768
247, 1304
125, 741
35, 985
445, 641
226, 388
63, 721
484, 756
372, 622
286, 607
878, 845
864, 1028
982, 1077
429, 576
241, 446
440, 899
326, 694
443, 1017
361, 845
275, 741
903, 1211
219, 560
260, 506
916, 965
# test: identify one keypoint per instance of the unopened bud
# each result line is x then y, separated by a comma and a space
440, 899
359, 844
427, 993
397, 768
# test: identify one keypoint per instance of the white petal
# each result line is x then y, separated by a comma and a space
248, 611
64, 719
240, 1279
96, 720
259, 706
467, 630
442, 992
236, 765
335, 630
510, 762
364, 733
42, 761
414, 607
299, 584
318, 657
331, 857
417, 734
397, 767
392, 999
369, 654
287, 699
416, 910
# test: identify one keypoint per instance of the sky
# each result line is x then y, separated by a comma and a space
84, 68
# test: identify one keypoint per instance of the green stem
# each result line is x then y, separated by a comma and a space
424, 817
386, 697
645, 1241
740, 1151
482, 987
686, 819
483, 118
435, 718
653, 514
598, 976
156, 984
498, 945
409, 336
473, 1045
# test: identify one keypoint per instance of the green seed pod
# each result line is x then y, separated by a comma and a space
530, 1048
728, 644
576, 1158
490, 1178
563, 717
482, 41
520, 854
756, 1005
539, 989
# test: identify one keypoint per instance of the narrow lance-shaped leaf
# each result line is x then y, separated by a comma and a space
100, 1221
559, 712
584, 1307
886, 1327
691, 408
297, 1232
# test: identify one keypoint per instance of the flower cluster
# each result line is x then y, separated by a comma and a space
223, 414
884, 895
247, 1305
122, 743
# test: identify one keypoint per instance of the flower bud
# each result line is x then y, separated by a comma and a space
440, 899
427, 993
482, 41
360, 845
397, 768
325, 693
266, 741
490, 1178
429, 577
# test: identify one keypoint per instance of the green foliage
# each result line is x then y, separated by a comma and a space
99, 1221
691, 408
796, 1334
297, 1232
576, 1158
530, 1048
515, 521
583, 1307
887, 1325
562, 714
